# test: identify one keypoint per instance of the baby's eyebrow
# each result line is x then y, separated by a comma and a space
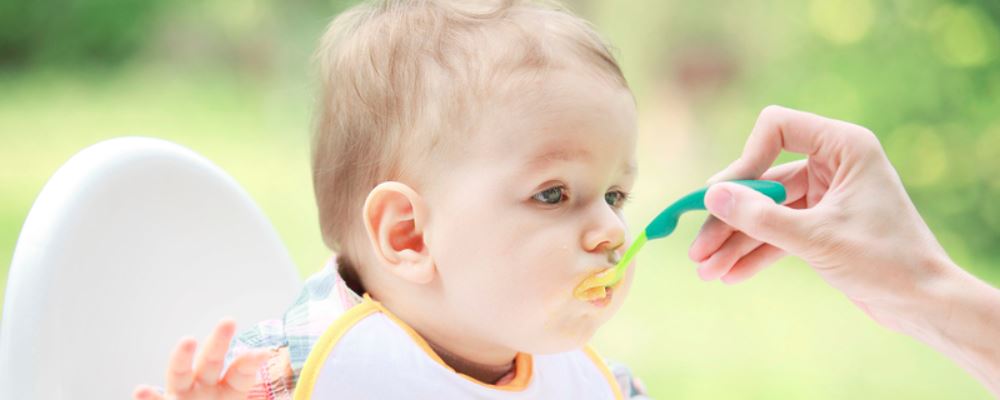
569, 154
629, 168
561, 154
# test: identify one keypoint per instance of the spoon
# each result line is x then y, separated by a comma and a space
595, 286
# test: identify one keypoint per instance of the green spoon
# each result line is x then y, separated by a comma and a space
663, 225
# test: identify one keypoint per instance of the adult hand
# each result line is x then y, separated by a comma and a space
848, 216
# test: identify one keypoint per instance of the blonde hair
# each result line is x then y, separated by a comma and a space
398, 75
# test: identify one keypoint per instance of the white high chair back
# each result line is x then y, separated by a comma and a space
133, 243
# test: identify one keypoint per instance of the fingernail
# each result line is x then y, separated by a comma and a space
702, 271
729, 280
692, 254
720, 203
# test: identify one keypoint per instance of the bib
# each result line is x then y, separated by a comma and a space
368, 353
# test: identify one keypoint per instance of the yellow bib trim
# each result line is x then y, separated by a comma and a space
603, 367
326, 343
522, 361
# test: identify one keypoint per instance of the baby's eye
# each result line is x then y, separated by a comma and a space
552, 195
616, 198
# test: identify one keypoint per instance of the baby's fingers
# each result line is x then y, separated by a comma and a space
180, 377
143, 392
242, 373
213, 353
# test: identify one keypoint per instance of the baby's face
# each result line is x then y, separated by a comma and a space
530, 208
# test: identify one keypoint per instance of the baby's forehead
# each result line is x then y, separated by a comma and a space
564, 115
581, 153
526, 151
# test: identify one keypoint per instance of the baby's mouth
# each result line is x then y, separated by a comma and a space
599, 285
605, 299
594, 293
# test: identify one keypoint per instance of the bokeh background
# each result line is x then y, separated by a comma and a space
232, 80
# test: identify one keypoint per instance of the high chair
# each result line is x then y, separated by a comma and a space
133, 243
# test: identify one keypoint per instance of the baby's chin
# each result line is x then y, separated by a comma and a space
561, 342
574, 332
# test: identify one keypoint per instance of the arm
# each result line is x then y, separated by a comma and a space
960, 317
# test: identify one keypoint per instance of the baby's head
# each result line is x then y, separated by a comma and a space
470, 162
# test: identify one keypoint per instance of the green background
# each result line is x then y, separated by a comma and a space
231, 79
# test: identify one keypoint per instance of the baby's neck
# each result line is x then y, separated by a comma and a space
487, 373
485, 363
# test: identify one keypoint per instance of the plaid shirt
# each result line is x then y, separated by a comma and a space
325, 296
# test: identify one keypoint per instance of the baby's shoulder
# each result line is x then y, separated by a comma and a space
324, 298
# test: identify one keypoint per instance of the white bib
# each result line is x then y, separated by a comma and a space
368, 353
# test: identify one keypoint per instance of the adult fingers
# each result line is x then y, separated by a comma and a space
794, 176
714, 232
758, 216
752, 263
719, 264
777, 128
710, 238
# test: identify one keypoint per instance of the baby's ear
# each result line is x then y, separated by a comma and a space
394, 218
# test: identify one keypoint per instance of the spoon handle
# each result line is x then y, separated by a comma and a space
665, 223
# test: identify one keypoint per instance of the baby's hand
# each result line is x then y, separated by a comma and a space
203, 381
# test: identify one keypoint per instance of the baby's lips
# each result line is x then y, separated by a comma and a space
594, 286
596, 293
586, 293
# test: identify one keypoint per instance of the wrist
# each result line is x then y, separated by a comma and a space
925, 311
959, 315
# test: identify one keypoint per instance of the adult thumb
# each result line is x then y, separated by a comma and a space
757, 215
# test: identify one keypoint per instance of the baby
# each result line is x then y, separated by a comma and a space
470, 164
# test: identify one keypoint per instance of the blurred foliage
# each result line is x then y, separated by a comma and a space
70, 32
231, 79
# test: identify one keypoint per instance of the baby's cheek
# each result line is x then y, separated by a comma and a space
547, 286
542, 266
